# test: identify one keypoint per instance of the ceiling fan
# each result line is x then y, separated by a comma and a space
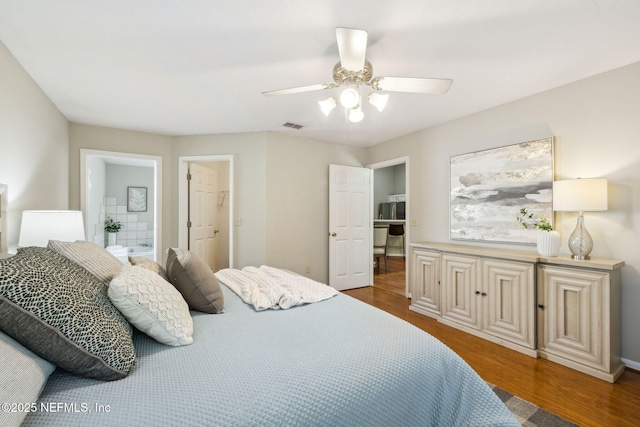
353, 71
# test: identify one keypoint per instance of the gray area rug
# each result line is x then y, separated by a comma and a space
527, 413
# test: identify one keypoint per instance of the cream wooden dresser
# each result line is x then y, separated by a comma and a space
556, 308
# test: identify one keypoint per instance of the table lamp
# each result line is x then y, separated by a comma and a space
38, 227
579, 195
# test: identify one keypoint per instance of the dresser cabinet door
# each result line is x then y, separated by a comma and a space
462, 291
425, 281
509, 303
572, 316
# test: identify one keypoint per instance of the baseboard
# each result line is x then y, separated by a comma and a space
480, 334
631, 364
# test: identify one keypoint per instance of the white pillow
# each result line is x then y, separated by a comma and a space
152, 305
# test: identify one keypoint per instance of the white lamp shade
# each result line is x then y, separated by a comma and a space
38, 227
580, 195
327, 105
350, 98
356, 115
378, 100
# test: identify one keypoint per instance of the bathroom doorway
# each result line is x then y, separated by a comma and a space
128, 189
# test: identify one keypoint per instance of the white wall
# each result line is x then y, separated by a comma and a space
387, 181
400, 172
281, 195
383, 186
249, 151
99, 138
119, 177
34, 148
280, 184
138, 226
297, 215
597, 129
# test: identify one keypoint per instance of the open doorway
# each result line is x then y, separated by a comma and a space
390, 209
205, 216
109, 184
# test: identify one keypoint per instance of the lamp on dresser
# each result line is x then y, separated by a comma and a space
580, 195
38, 227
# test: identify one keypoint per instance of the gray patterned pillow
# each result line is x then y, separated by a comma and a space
62, 313
94, 258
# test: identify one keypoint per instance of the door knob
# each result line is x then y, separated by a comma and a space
332, 234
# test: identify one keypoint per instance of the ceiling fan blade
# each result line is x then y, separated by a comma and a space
411, 84
320, 86
352, 46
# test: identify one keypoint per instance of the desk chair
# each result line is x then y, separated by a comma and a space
380, 240
397, 230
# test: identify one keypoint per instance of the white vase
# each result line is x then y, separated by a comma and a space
548, 243
111, 239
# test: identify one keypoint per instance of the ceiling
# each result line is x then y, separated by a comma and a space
199, 66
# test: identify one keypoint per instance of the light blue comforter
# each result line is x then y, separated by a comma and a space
338, 362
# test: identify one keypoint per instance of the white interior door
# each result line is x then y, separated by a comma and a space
350, 246
203, 221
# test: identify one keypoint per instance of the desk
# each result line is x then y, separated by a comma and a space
388, 221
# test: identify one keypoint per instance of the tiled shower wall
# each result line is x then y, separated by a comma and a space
133, 232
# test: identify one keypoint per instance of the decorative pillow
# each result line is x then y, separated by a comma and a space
62, 313
152, 305
195, 281
140, 261
94, 258
23, 375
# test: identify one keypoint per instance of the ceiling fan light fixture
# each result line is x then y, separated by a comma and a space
350, 98
353, 71
356, 115
328, 105
378, 100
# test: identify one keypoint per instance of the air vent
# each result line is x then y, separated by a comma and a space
292, 125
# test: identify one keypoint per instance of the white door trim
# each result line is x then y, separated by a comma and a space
407, 229
183, 197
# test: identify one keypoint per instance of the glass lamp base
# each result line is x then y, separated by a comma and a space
580, 241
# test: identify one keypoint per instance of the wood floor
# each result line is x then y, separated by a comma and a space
393, 279
574, 396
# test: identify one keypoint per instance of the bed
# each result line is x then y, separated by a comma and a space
333, 362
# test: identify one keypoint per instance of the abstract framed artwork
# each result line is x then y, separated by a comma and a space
136, 199
488, 189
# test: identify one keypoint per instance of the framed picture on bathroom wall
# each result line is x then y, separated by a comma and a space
136, 199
